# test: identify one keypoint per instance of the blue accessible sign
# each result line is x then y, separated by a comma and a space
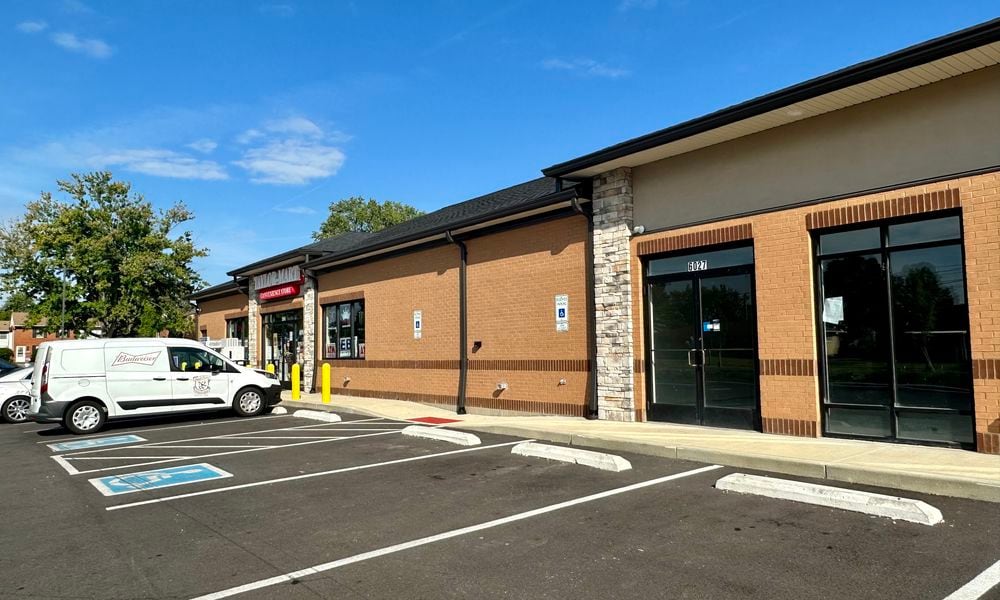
115, 485
88, 443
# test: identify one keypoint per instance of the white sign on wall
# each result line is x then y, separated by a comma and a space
418, 324
562, 312
273, 278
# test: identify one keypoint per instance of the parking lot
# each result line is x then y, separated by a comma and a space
286, 507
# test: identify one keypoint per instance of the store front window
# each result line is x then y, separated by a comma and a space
895, 325
237, 329
283, 342
345, 330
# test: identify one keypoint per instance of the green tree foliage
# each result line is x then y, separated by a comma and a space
126, 271
358, 214
7, 354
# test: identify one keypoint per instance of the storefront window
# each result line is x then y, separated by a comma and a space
237, 329
345, 330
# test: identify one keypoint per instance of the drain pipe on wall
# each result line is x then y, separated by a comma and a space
588, 213
463, 323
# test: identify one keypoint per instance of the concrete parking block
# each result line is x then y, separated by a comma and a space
318, 415
442, 435
587, 458
880, 505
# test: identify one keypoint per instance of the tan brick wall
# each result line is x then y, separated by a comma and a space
512, 277
212, 315
784, 280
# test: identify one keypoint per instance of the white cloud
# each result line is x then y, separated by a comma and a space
584, 66
161, 163
32, 26
297, 210
291, 151
625, 5
205, 145
92, 47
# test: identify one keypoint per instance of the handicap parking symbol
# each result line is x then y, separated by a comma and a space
100, 442
115, 485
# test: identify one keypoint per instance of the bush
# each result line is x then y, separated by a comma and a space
7, 354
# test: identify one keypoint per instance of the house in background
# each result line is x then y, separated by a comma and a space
23, 338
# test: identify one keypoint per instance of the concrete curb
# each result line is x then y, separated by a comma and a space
587, 458
317, 415
279, 410
879, 505
442, 435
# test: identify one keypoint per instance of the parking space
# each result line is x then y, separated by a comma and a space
281, 506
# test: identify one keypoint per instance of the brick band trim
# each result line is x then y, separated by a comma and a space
334, 298
235, 315
551, 408
281, 306
709, 237
884, 209
789, 427
986, 368
576, 365
639, 365
792, 367
988, 443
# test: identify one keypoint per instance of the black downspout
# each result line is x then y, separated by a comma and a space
588, 213
463, 323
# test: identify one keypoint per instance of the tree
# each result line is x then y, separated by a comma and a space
357, 214
124, 269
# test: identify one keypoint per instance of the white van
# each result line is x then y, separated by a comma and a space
83, 383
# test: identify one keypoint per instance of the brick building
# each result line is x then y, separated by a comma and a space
23, 338
819, 261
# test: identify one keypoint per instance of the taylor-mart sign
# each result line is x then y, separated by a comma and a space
278, 284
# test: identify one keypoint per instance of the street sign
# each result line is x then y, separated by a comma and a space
115, 485
88, 443
562, 312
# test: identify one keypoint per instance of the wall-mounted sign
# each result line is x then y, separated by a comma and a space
562, 312
697, 265
713, 325
279, 291
418, 324
275, 278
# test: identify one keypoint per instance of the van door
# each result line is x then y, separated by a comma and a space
198, 379
138, 378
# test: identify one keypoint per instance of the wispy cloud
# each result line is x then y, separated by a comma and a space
205, 145
291, 151
277, 10
161, 163
32, 26
586, 67
626, 5
92, 47
297, 210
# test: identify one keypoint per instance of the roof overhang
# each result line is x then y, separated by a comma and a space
935, 60
285, 259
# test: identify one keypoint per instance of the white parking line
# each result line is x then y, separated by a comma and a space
141, 429
241, 451
981, 584
124, 457
295, 575
62, 462
306, 476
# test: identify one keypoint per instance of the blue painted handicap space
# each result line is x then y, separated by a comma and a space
88, 443
157, 478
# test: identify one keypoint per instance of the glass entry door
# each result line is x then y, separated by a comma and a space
283, 337
702, 339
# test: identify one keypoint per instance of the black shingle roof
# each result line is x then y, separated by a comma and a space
216, 290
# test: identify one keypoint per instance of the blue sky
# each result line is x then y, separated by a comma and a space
259, 114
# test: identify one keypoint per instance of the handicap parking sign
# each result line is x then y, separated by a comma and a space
88, 443
115, 485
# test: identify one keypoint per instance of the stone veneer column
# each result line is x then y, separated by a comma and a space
252, 326
308, 334
612, 206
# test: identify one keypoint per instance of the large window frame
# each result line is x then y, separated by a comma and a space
340, 318
884, 249
234, 326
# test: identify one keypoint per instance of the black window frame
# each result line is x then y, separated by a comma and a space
884, 249
358, 351
176, 369
245, 338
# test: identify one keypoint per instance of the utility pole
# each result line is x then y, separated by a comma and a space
62, 323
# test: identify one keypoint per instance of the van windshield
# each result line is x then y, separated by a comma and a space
195, 359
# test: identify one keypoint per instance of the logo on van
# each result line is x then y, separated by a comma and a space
202, 385
124, 358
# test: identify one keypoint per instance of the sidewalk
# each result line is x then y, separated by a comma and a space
940, 471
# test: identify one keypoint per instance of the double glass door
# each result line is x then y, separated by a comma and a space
703, 359
283, 339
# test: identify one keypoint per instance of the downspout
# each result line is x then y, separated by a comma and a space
463, 322
588, 213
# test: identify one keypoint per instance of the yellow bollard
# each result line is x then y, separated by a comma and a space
326, 383
296, 381
270, 368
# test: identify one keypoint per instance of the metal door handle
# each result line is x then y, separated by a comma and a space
159, 379
183, 378
690, 363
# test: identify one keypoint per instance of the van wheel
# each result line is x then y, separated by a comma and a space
249, 402
86, 416
15, 410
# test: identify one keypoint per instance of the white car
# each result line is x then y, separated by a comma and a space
15, 395
83, 383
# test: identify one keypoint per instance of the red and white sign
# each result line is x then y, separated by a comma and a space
279, 291
124, 358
